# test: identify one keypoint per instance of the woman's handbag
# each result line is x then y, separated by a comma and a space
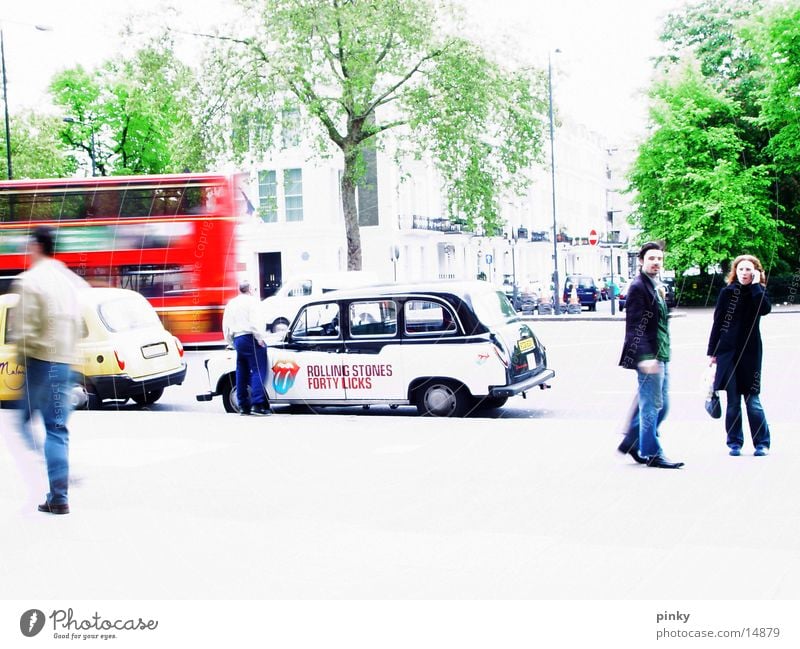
713, 406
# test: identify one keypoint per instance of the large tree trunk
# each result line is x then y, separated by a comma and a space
351, 213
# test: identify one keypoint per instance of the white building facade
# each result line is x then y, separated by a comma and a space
297, 225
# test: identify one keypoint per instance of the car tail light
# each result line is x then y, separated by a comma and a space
179, 345
501, 351
120, 362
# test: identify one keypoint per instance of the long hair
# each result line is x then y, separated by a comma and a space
731, 278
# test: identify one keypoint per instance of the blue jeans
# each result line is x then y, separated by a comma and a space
251, 372
46, 389
653, 401
759, 429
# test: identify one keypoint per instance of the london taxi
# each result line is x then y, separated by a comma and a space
124, 351
445, 347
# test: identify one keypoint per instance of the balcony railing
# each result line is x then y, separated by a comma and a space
434, 224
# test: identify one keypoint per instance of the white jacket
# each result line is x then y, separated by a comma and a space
47, 322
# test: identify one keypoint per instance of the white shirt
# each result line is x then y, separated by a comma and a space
241, 316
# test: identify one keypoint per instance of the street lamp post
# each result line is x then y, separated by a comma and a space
556, 294
5, 104
512, 242
41, 28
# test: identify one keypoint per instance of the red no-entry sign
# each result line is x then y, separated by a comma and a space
593, 237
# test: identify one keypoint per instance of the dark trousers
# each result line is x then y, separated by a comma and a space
759, 430
251, 372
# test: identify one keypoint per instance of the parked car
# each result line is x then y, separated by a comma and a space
124, 352
669, 297
585, 288
446, 347
669, 287
279, 310
621, 284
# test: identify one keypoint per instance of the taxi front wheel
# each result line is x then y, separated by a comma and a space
442, 398
227, 388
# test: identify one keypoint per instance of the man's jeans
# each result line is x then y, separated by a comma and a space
46, 389
759, 429
653, 401
251, 372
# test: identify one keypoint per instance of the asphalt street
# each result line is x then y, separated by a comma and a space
183, 501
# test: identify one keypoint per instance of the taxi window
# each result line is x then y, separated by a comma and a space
373, 318
425, 317
492, 307
317, 321
127, 314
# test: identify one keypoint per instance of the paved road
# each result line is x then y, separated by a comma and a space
184, 501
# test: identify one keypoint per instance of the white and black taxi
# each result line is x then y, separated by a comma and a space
446, 348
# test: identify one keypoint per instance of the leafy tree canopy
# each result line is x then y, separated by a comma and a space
716, 175
134, 115
35, 148
693, 189
355, 70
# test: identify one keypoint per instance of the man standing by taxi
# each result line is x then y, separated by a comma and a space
240, 326
647, 350
46, 326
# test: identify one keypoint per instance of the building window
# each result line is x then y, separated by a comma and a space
268, 196
293, 194
290, 128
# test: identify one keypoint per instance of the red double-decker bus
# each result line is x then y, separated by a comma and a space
170, 237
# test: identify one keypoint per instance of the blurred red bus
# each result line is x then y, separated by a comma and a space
170, 237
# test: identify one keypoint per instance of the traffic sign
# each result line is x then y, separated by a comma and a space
489, 259
593, 237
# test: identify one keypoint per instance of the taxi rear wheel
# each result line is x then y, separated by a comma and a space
491, 403
146, 398
442, 398
89, 400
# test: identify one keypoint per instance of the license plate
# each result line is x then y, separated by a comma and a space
526, 345
155, 350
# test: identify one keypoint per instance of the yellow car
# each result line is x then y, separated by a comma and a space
124, 352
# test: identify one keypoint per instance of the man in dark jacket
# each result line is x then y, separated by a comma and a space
646, 350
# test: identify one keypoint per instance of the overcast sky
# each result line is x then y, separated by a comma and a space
599, 76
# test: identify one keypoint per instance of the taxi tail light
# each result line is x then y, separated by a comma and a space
179, 345
120, 362
501, 352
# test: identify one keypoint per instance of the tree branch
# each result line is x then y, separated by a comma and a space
382, 99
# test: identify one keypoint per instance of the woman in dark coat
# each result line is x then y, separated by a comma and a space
735, 347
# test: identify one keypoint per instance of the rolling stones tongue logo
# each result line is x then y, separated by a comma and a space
283, 375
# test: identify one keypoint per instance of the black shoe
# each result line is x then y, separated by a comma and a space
634, 454
47, 508
261, 411
660, 462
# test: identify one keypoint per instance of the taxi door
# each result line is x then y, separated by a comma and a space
307, 366
12, 374
372, 362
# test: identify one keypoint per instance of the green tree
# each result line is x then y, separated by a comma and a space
135, 115
36, 148
356, 70
736, 47
778, 40
693, 187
